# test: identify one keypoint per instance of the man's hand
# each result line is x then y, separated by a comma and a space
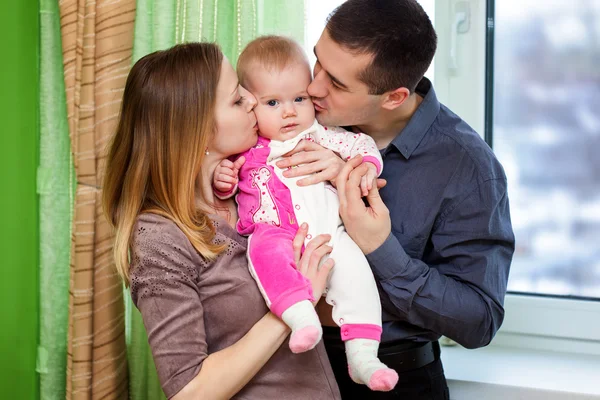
369, 226
366, 183
226, 175
319, 163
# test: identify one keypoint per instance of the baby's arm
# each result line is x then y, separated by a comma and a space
226, 177
349, 144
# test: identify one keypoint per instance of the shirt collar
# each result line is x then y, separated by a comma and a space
409, 138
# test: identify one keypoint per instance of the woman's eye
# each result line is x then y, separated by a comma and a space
240, 101
272, 103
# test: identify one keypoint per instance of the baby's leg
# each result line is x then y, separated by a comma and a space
357, 310
288, 294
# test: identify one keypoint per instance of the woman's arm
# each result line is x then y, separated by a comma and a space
227, 371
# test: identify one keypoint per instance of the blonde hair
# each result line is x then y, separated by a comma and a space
274, 53
166, 122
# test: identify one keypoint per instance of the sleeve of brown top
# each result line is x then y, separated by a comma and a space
164, 289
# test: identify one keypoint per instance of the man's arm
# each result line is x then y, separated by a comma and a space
461, 293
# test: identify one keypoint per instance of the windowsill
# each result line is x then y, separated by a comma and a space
502, 372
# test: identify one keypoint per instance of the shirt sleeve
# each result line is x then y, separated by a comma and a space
163, 288
349, 144
225, 195
460, 293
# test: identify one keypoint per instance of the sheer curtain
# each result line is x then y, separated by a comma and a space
161, 24
55, 177
92, 341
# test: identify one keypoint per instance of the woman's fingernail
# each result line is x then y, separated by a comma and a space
304, 225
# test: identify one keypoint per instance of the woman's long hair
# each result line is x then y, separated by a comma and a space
166, 122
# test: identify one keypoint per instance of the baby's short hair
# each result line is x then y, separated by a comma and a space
272, 52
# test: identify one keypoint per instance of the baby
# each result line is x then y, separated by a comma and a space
272, 207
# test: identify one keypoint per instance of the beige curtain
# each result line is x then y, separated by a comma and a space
97, 41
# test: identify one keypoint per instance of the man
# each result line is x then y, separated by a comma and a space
438, 236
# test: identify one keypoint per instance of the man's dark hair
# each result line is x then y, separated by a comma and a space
398, 33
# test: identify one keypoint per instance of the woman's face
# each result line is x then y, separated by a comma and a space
236, 123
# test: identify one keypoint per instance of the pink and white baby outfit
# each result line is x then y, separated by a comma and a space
271, 208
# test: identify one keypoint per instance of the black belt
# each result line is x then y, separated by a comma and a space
400, 356
411, 358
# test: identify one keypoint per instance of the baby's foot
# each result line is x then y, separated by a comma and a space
306, 327
365, 368
305, 339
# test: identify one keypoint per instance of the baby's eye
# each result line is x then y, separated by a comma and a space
272, 103
299, 99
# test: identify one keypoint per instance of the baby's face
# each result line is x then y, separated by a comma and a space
284, 108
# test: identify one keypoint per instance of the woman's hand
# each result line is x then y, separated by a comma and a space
312, 159
308, 262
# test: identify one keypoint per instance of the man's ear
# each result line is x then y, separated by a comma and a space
395, 98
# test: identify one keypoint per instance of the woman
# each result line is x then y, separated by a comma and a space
210, 332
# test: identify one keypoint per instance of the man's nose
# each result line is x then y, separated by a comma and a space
317, 87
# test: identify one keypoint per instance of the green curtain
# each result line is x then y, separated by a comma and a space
161, 24
55, 188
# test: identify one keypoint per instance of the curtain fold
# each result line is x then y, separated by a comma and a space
160, 24
55, 188
87, 49
97, 41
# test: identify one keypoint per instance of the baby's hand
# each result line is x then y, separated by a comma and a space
226, 174
366, 182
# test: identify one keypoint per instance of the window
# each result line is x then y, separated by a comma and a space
546, 133
525, 73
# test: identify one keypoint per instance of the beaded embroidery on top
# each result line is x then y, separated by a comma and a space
161, 258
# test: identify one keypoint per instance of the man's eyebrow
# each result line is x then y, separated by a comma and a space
333, 78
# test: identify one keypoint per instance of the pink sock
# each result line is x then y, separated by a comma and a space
306, 327
305, 339
365, 368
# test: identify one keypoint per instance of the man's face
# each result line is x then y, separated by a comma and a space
340, 98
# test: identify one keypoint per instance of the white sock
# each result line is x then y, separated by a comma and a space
362, 359
301, 315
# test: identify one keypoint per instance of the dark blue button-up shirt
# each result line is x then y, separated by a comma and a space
444, 268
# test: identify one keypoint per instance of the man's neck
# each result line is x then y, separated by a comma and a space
388, 124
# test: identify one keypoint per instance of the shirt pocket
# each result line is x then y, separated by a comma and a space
412, 243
